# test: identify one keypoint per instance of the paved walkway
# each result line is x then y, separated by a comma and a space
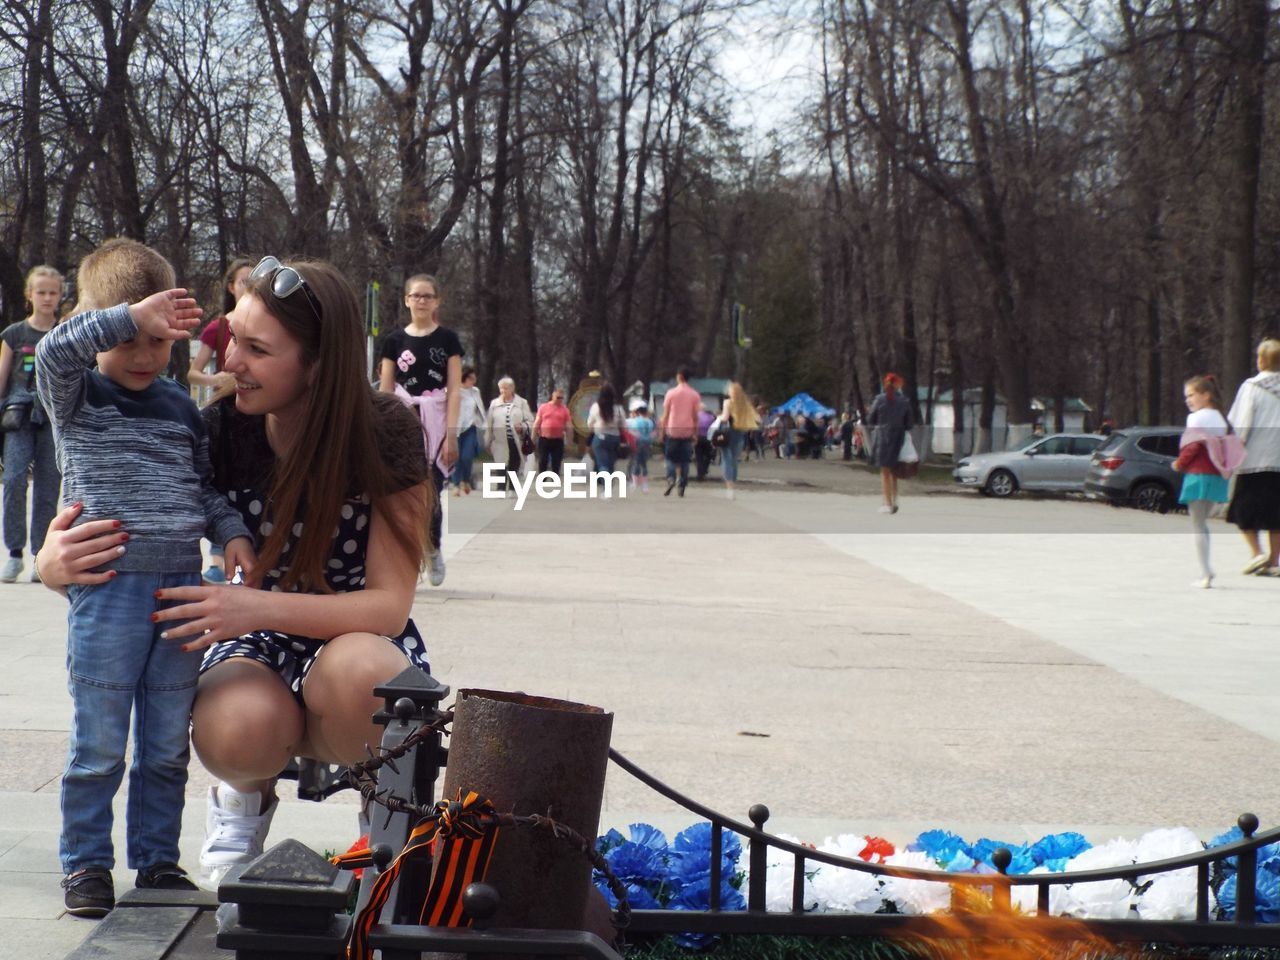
854, 671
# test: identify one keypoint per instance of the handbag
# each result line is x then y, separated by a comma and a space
908, 460
16, 414
527, 444
19, 411
718, 433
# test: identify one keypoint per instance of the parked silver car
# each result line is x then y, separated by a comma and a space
1056, 462
1135, 467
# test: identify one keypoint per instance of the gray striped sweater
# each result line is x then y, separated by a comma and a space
140, 457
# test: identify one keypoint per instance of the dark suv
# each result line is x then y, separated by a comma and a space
1135, 466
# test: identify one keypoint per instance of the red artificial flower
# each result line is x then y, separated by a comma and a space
361, 844
877, 849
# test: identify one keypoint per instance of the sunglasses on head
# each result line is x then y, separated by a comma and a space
285, 281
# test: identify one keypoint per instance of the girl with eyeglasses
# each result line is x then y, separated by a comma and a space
423, 365
332, 481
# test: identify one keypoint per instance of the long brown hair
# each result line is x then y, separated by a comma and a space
336, 452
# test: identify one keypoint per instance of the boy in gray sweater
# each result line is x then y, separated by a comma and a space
131, 447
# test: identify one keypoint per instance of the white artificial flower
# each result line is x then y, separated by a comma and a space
1024, 898
1172, 896
841, 889
1166, 843
915, 896
1114, 853
1102, 899
781, 865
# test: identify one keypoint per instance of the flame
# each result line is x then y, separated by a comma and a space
977, 927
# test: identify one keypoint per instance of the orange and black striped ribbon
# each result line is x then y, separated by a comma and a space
467, 831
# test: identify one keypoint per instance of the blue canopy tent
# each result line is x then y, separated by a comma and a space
804, 405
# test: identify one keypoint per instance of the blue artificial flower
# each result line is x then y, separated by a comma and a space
1024, 861
691, 854
640, 862
1269, 854
648, 835
941, 845
1266, 900
632, 862
1228, 836
1266, 854
1059, 846
609, 841
984, 848
961, 863
1228, 866
697, 896
638, 897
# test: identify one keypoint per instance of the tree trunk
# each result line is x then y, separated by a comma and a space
1244, 159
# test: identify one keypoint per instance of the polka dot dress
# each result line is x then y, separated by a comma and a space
290, 655
242, 461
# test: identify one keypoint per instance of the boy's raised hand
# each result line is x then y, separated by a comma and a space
170, 315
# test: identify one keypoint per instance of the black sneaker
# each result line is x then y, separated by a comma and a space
670, 486
89, 893
164, 876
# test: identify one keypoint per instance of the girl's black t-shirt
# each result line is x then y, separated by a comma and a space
422, 363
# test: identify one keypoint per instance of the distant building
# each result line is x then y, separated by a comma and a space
1074, 419
714, 390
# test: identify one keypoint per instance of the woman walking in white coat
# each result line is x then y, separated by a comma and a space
508, 423
1255, 504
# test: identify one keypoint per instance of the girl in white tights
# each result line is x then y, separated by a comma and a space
1200, 458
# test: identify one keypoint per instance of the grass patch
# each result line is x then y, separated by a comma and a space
760, 947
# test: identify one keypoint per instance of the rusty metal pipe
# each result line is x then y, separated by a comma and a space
533, 755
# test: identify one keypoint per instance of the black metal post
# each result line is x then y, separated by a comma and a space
1000, 892
1246, 873
797, 886
288, 903
409, 700
717, 846
758, 853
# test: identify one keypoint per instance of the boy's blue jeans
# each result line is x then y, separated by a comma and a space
640, 460
118, 666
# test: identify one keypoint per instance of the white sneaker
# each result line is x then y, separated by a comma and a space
1256, 564
435, 567
235, 831
884, 508
1204, 583
9, 572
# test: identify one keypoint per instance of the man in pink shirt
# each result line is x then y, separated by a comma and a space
678, 428
549, 426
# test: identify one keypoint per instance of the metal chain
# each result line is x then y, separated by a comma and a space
363, 777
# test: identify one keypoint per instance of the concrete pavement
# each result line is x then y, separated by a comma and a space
854, 671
